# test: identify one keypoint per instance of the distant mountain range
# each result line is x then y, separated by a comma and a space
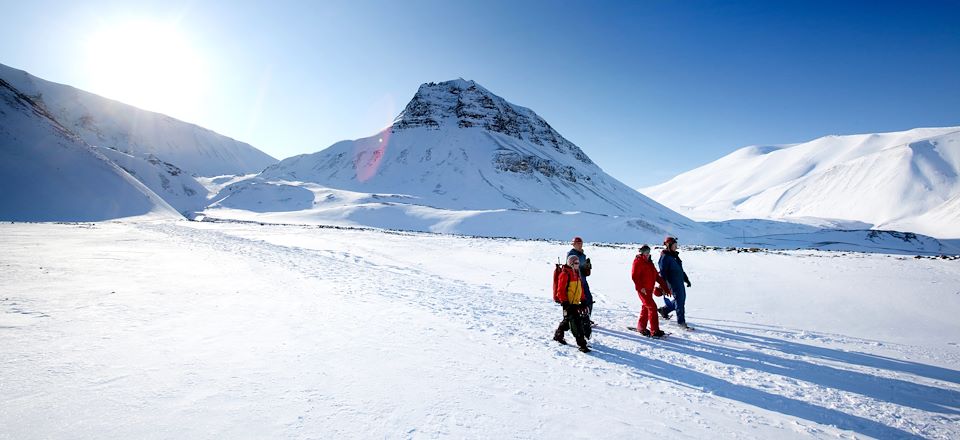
460, 159
904, 181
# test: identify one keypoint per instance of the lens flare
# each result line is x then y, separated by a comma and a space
369, 153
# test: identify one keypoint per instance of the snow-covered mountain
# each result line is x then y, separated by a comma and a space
460, 159
106, 123
47, 173
906, 181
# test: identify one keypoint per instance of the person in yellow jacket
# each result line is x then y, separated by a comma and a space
569, 293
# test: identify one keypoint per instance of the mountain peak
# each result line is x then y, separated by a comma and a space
460, 103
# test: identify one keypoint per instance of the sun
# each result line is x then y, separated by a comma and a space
150, 65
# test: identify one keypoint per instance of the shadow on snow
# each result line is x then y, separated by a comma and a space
849, 357
885, 389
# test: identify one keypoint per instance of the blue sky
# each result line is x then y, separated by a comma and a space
648, 89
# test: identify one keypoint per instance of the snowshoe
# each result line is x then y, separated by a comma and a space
658, 334
685, 327
643, 332
584, 349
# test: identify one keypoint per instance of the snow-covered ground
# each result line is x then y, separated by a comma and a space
212, 330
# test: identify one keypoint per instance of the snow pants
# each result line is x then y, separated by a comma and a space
648, 312
679, 300
573, 320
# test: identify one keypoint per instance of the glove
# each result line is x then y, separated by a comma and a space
688, 283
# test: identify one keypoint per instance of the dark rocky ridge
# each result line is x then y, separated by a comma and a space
464, 104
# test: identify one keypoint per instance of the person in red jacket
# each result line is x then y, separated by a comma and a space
569, 293
644, 275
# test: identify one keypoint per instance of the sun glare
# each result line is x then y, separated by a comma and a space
148, 65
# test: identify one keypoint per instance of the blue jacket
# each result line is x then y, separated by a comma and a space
671, 269
588, 297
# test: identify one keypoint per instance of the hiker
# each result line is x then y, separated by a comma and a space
671, 269
569, 293
644, 276
585, 269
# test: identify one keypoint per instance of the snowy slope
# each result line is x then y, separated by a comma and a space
106, 123
900, 181
48, 173
460, 159
181, 191
244, 331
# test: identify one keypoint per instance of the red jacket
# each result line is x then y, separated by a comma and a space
644, 274
568, 289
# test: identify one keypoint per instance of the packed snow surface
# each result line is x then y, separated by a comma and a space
241, 330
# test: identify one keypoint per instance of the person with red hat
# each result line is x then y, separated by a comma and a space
671, 269
585, 268
644, 276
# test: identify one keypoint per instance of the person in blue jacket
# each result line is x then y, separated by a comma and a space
585, 268
671, 269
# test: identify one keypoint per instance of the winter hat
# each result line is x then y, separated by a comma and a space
577, 239
645, 249
668, 240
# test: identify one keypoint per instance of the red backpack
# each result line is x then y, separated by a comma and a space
556, 277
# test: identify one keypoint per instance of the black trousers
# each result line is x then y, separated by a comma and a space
574, 317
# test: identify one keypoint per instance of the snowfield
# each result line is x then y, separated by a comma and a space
162, 329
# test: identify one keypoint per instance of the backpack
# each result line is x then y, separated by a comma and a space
556, 277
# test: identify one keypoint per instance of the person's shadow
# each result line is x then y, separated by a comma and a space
848, 357
897, 391
891, 390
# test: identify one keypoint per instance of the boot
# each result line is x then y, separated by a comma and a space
664, 313
584, 349
557, 336
658, 334
645, 332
